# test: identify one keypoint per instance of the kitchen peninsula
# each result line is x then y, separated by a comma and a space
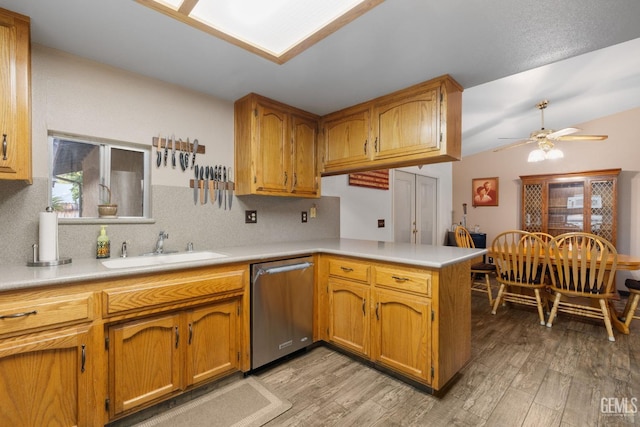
93, 327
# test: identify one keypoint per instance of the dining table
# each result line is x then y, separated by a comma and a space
625, 263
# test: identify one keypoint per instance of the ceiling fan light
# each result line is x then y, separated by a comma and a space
554, 153
536, 155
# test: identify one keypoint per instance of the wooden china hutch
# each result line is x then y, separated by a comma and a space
578, 201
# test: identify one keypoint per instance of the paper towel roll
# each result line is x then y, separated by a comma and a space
48, 236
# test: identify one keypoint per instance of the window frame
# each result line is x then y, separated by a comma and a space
105, 145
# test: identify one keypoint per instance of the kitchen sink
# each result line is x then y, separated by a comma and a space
161, 259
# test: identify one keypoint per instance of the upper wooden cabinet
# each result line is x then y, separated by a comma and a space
15, 103
275, 149
580, 201
345, 137
413, 126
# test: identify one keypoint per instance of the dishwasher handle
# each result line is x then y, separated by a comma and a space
284, 268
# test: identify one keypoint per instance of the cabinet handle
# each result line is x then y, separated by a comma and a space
347, 269
364, 302
375, 145
365, 146
4, 146
83, 358
190, 332
295, 179
23, 314
377, 314
177, 337
400, 279
285, 178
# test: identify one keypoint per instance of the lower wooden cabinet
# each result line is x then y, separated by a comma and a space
415, 321
401, 333
153, 358
212, 341
46, 379
349, 323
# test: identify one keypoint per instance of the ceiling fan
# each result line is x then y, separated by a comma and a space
546, 139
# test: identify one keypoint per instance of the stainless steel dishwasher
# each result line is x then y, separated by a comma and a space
281, 308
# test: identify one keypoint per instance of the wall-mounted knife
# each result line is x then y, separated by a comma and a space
230, 185
173, 151
159, 158
195, 151
195, 187
219, 186
224, 189
166, 150
212, 185
206, 184
201, 184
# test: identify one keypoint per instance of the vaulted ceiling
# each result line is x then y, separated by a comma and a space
582, 55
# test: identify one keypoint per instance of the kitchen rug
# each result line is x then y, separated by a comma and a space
244, 403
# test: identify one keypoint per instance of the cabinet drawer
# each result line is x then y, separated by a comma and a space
152, 291
45, 312
404, 280
349, 270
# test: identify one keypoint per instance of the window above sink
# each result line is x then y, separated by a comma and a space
85, 172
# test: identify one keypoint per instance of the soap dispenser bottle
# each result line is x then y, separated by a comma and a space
103, 248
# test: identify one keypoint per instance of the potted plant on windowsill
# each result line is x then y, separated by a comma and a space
107, 210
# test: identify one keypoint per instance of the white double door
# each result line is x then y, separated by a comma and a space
415, 208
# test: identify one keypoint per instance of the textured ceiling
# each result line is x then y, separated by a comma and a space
507, 54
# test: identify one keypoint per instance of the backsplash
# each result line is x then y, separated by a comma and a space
208, 227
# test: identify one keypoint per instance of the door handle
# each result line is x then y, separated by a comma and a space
377, 314
364, 301
177, 337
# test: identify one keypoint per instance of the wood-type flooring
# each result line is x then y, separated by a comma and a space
520, 374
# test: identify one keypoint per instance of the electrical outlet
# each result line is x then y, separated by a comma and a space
490, 260
250, 217
381, 223
304, 216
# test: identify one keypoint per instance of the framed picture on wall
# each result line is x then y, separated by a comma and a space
484, 191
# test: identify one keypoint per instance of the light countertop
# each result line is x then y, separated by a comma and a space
22, 277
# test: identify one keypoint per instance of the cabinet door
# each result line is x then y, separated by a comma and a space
346, 139
46, 380
349, 316
15, 103
407, 125
534, 214
273, 154
212, 341
601, 211
566, 207
402, 333
144, 361
304, 161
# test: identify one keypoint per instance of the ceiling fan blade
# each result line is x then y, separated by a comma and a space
582, 138
562, 132
515, 144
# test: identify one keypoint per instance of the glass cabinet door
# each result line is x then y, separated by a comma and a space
602, 210
532, 210
565, 207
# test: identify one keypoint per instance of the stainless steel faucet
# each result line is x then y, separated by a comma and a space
160, 242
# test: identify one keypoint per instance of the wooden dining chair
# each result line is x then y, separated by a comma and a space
632, 303
521, 260
464, 240
582, 263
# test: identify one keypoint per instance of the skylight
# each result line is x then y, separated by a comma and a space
274, 29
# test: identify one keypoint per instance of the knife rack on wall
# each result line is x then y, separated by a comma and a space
187, 146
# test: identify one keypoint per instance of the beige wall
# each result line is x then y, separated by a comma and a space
620, 150
78, 96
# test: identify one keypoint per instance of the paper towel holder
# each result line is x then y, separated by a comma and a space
37, 263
